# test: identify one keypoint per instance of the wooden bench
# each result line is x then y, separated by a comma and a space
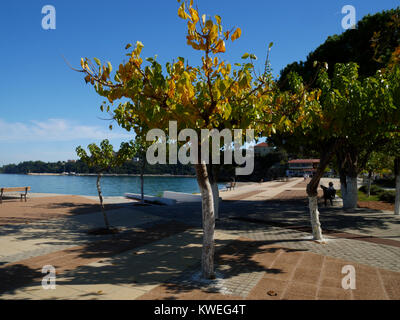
18, 189
231, 185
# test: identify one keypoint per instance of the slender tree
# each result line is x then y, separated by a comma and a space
102, 158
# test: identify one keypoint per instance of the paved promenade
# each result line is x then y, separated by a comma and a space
263, 249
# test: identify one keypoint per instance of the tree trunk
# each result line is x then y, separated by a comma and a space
348, 169
215, 191
351, 193
143, 164
213, 171
208, 218
314, 215
369, 183
312, 189
101, 201
342, 175
397, 174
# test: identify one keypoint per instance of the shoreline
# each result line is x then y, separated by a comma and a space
106, 175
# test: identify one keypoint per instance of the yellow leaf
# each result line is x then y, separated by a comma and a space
194, 15
181, 12
209, 24
220, 47
236, 34
203, 17
213, 33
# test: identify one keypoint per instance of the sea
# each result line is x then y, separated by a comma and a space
110, 185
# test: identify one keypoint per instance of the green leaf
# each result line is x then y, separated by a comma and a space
97, 61
245, 56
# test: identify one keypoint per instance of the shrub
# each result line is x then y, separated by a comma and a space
388, 196
375, 190
386, 183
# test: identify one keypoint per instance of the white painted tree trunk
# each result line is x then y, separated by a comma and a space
343, 190
215, 191
314, 215
208, 218
397, 202
351, 198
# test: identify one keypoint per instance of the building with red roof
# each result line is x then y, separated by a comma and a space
262, 149
299, 167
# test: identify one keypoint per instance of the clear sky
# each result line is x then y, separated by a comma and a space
46, 109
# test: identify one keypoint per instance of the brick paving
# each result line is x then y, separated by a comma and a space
261, 271
264, 251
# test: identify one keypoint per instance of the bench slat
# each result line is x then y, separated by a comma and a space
15, 189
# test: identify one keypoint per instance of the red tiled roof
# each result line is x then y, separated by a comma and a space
261, 145
304, 161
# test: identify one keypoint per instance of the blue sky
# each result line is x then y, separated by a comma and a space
46, 109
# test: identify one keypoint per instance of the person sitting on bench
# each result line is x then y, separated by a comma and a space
329, 193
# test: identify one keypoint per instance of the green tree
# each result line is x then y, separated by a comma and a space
377, 162
346, 112
103, 158
370, 46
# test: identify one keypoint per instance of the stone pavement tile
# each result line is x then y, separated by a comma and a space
391, 282
265, 285
284, 267
172, 291
373, 293
267, 256
300, 289
332, 268
292, 296
307, 275
329, 293
120, 293
329, 282
369, 285
312, 261
290, 258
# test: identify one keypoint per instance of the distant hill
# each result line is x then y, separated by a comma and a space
130, 167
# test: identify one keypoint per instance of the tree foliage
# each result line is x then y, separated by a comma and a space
370, 45
103, 157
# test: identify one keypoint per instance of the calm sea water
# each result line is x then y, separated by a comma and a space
111, 186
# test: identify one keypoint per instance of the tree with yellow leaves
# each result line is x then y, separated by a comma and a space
214, 95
